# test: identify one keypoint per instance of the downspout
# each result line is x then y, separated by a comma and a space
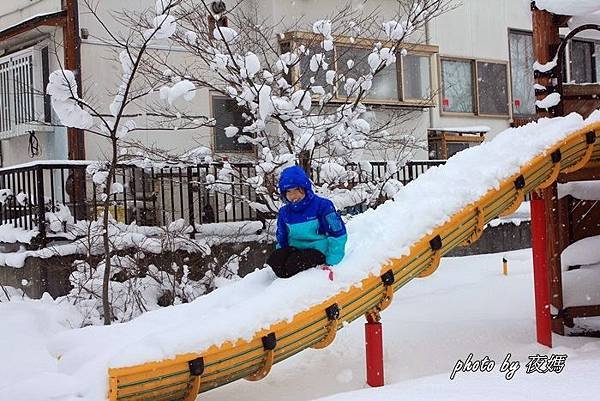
428, 42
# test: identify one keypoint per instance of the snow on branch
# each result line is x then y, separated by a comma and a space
62, 88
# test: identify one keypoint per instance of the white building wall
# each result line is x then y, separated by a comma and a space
476, 29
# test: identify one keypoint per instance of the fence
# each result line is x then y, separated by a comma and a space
33, 196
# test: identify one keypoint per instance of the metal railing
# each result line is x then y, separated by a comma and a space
36, 196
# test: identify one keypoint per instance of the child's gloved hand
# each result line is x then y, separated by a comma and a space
328, 269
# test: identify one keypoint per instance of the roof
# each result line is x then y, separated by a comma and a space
53, 19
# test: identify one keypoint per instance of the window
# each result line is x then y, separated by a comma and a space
492, 88
227, 113
319, 75
20, 91
583, 66
521, 72
474, 87
406, 82
457, 86
385, 83
416, 77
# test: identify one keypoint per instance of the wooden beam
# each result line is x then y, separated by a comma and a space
562, 21
585, 174
581, 311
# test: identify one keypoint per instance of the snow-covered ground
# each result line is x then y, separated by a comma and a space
242, 308
467, 306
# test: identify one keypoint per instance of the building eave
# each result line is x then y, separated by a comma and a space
50, 19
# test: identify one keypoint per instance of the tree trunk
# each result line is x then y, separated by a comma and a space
105, 235
304, 161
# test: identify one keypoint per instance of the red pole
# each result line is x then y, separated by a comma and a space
540, 271
374, 350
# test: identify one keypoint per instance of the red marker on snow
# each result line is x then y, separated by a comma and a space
328, 268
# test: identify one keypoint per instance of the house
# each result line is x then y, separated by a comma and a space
474, 62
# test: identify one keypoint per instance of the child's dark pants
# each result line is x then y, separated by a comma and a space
289, 261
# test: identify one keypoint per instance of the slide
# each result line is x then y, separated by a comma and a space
242, 329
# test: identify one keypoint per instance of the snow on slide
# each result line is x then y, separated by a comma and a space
242, 308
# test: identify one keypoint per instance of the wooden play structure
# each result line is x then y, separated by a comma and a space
557, 223
444, 143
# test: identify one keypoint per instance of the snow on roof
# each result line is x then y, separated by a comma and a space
569, 7
471, 129
583, 190
583, 12
46, 163
31, 18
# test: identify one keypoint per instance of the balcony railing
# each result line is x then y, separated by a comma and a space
46, 195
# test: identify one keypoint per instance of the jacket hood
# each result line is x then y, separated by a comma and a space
295, 177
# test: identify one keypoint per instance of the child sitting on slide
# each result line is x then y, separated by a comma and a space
310, 232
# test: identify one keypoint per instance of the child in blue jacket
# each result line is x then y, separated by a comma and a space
310, 232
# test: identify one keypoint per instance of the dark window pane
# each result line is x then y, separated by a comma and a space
416, 78
385, 83
227, 113
319, 76
492, 88
521, 70
457, 86
581, 62
455, 147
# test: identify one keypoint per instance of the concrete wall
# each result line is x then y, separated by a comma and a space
501, 238
51, 275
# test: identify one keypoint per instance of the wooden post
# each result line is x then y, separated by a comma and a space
75, 136
72, 49
564, 240
545, 42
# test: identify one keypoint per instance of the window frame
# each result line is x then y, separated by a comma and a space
508, 89
36, 81
475, 87
213, 130
441, 59
294, 39
593, 66
510, 66
430, 75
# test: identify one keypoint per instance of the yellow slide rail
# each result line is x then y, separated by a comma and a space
184, 376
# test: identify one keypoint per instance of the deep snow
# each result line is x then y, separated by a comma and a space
467, 306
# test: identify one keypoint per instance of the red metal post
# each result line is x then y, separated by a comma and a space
374, 351
540, 271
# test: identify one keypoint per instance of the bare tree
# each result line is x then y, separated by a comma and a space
306, 97
135, 96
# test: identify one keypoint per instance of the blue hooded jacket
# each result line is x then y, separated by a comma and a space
312, 222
